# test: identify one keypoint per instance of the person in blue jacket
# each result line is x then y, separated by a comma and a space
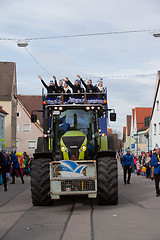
156, 163
15, 166
127, 163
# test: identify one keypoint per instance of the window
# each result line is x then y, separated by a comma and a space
17, 144
18, 114
17, 128
31, 144
154, 127
26, 128
157, 105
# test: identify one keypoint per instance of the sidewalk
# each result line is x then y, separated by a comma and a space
13, 189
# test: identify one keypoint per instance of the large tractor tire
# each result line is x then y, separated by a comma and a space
107, 181
40, 182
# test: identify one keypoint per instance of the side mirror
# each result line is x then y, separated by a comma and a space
33, 118
113, 117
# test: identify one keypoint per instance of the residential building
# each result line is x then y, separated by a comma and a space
3, 114
155, 116
124, 140
139, 126
128, 132
8, 93
116, 140
27, 132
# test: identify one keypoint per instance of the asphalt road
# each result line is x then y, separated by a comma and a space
136, 217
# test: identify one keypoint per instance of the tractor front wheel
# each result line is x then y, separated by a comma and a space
40, 182
107, 181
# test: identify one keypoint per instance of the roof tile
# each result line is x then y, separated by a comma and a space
7, 71
141, 113
32, 102
2, 111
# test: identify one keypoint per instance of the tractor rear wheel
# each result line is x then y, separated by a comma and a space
107, 182
40, 182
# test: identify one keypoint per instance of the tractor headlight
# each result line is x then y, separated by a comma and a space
63, 148
83, 148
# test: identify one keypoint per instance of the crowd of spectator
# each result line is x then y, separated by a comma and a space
146, 164
13, 165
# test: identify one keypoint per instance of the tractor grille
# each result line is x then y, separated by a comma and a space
77, 185
73, 144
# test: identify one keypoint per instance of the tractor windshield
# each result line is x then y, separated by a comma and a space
75, 119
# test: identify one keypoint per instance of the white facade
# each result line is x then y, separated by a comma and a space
155, 121
143, 143
133, 137
139, 142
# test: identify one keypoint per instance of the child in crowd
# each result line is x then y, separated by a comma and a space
138, 167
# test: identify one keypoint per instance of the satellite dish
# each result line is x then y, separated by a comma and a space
22, 43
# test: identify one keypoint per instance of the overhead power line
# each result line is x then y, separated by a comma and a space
128, 76
38, 62
82, 35
87, 35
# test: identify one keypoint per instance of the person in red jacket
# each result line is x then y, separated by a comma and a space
134, 163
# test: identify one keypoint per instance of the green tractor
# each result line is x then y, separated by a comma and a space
75, 156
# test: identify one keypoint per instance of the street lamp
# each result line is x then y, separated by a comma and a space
156, 34
22, 43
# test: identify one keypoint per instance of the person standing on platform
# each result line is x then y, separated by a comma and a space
51, 89
59, 88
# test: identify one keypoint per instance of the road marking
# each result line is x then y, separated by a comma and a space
13, 210
79, 226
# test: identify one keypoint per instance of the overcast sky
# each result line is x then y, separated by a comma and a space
128, 63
